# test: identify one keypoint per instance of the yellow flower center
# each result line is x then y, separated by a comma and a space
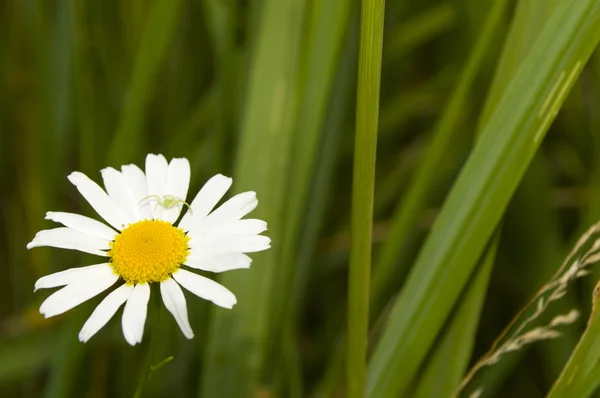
148, 251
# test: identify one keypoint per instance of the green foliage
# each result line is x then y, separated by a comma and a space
475, 205
481, 193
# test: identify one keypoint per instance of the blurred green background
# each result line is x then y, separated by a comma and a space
264, 91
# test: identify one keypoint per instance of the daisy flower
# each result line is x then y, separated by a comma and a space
144, 245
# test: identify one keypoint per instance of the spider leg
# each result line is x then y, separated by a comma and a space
149, 197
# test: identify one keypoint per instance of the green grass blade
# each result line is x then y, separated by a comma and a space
341, 102
335, 128
324, 43
158, 33
481, 193
580, 377
68, 354
262, 163
446, 368
223, 19
219, 21
412, 204
593, 211
22, 357
530, 17
365, 144
189, 131
328, 26
67, 359
535, 220
86, 106
420, 29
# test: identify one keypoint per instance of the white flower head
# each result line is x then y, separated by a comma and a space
144, 244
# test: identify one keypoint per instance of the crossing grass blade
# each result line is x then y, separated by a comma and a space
445, 369
529, 18
539, 220
267, 130
392, 255
480, 195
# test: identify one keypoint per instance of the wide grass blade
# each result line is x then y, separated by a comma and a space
410, 208
535, 220
519, 39
262, 162
481, 193
450, 357
528, 21
446, 368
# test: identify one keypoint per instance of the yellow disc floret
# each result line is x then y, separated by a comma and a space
148, 251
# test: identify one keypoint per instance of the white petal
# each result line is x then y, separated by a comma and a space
134, 314
136, 180
77, 292
231, 243
175, 302
206, 200
156, 176
83, 224
120, 193
178, 182
234, 209
104, 311
67, 238
69, 276
205, 288
218, 262
238, 227
99, 200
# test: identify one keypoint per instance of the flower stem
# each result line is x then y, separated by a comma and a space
152, 346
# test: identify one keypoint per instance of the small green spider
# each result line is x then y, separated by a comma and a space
167, 201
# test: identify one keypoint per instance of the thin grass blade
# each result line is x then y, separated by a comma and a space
158, 33
363, 186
